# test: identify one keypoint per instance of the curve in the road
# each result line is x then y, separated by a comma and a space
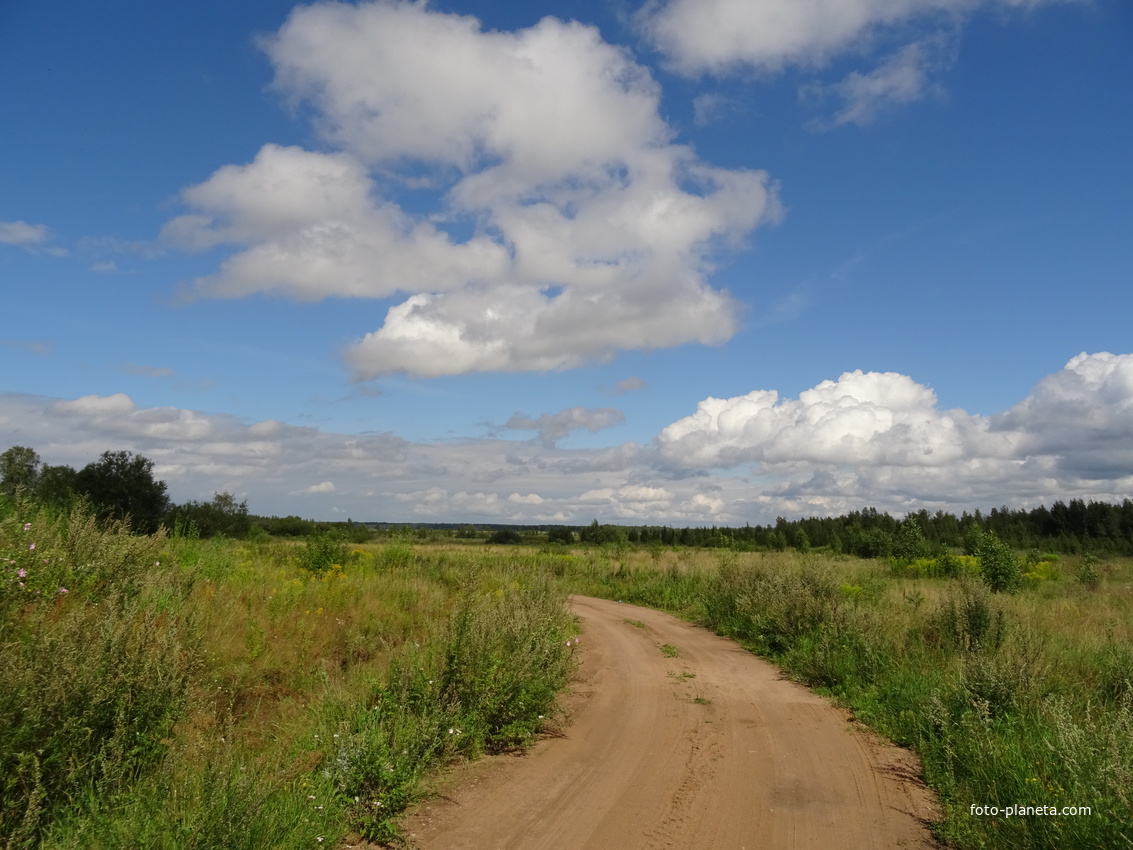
709, 749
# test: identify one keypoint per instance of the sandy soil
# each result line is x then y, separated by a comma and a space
708, 749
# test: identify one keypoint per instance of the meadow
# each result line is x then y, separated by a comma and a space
166, 691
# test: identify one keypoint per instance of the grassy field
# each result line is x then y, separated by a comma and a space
172, 692
176, 693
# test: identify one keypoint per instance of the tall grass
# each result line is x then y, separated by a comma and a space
171, 692
94, 673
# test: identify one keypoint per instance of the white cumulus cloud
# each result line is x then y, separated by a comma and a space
586, 229
874, 437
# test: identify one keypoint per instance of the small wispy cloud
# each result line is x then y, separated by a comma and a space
710, 108
33, 238
622, 387
903, 78
34, 346
113, 245
23, 234
789, 307
147, 371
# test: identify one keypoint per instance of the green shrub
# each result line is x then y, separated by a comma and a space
322, 551
966, 621
771, 608
1087, 572
998, 565
505, 537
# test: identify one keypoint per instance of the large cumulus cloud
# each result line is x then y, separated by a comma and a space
585, 228
879, 438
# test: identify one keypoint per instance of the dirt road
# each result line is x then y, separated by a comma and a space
705, 749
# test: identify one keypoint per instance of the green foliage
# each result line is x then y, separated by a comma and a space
770, 608
57, 486
505, 536
602, 534
46, 555
19, 470
1087, 572
560, 534
966, 621
204, 798
322, 552
121, 486
223, 516
868, 542
288, 526
910, 543
108, 681
998, 565
94, 673
487, 682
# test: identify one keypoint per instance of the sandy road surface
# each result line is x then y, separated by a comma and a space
710, 749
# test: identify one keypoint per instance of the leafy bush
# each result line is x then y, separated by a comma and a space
966, 621
910, 543
322, 552
998, 565
771, 608
108, 680
560, 534
1087, 572
46, 555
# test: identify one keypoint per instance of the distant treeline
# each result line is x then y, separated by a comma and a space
121, 484
1068, 527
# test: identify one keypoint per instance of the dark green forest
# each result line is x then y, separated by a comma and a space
1069, 527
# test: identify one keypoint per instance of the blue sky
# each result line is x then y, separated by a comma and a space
545, 262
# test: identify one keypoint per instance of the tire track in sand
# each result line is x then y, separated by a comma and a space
710, 750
